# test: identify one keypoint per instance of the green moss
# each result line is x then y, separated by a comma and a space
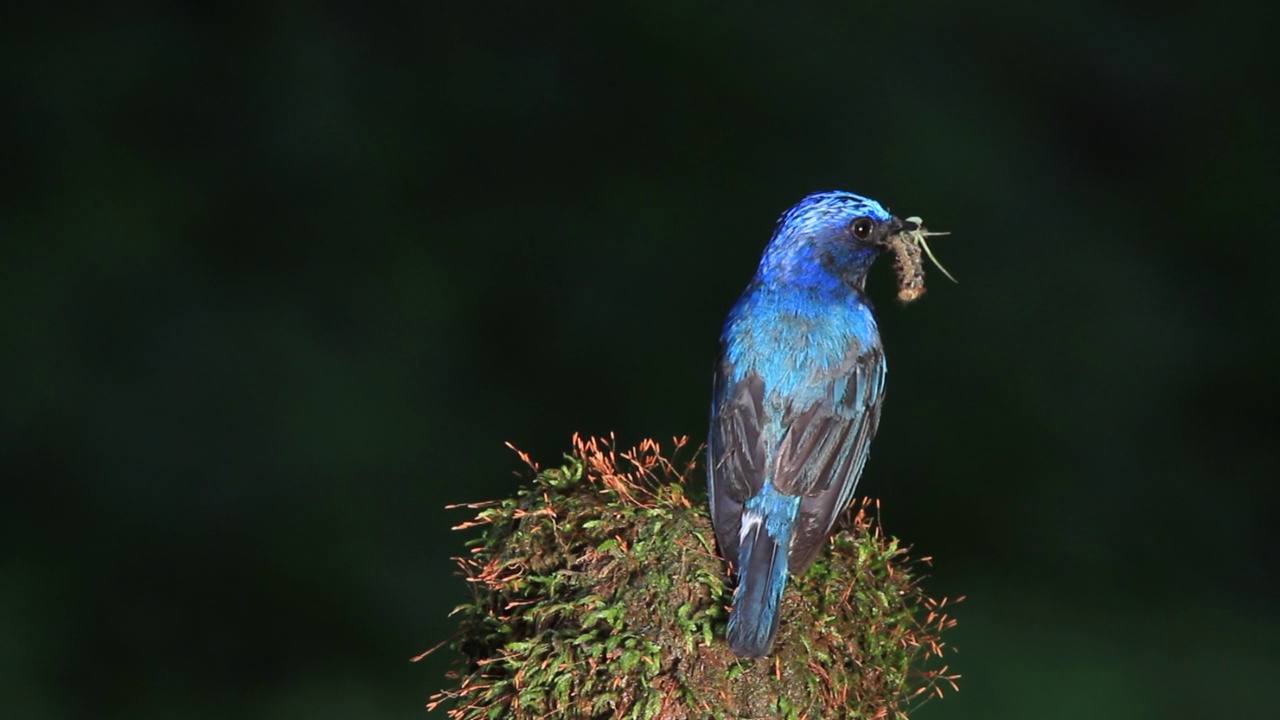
598, 594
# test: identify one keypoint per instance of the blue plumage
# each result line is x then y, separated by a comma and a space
796, 401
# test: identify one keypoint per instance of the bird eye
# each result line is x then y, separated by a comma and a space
861, 228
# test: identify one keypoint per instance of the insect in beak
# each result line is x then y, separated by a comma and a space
906, 242
918, 235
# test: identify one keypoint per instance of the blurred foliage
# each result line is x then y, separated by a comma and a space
277, 281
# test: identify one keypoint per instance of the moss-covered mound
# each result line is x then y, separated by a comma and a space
599, 594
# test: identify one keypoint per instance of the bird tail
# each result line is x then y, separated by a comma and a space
762, 576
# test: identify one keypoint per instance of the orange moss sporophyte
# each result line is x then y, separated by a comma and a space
597, 592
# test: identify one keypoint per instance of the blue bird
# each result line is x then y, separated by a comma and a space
796, 401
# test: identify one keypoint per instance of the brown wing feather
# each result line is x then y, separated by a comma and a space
736, 452
825, 447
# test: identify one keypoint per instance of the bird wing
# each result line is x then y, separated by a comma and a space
825, 446
735, 450
820, 457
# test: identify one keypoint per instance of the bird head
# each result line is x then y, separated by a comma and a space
829, 237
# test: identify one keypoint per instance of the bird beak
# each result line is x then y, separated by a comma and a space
897, 225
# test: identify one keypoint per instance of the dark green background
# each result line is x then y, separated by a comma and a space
279, 280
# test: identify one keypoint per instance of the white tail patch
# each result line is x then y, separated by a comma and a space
750, 521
